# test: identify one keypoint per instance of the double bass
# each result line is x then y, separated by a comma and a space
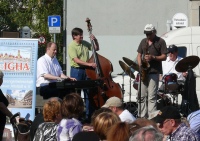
107, 88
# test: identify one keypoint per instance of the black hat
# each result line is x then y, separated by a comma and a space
168, 112
172, 48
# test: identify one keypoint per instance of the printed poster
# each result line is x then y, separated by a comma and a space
18, 59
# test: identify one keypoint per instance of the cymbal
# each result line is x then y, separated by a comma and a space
186, 63
126, 69
131, 63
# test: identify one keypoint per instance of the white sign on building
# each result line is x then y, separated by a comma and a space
179, 20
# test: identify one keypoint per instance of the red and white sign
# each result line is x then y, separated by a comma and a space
42, 40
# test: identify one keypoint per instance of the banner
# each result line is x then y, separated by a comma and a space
18, 59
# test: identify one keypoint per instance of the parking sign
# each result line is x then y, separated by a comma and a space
54, 23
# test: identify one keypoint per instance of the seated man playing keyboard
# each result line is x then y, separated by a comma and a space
48, 71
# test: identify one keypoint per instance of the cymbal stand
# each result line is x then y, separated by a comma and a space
130, 86
130, 105
123, 91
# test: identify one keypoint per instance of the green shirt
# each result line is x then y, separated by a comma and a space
80, 51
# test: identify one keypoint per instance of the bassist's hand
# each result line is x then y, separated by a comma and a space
93, 65
92, 37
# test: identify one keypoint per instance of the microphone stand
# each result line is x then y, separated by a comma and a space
130, 105
139, 95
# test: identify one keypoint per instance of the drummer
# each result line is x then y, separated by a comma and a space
168, 66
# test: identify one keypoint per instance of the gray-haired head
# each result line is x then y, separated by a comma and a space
1, 74
147, 132
55, 99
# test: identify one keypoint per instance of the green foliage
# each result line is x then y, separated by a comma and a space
15, 14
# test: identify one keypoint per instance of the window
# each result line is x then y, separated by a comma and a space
182, 51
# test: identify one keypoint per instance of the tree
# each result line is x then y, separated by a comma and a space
15, 14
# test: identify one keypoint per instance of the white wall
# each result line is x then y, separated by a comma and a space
118, 24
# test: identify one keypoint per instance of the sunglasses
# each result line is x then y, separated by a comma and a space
148, 34
165, 121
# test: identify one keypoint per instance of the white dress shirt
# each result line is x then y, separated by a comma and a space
126, 116
47, 65
168, 66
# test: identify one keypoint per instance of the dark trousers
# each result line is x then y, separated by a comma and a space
2, 124
48, 92
80, 74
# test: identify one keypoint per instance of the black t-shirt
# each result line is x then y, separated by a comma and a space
157, 48
4, 100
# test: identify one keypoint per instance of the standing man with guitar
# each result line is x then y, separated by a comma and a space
78, 51
151, 52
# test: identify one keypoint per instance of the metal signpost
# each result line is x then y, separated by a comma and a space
54, 23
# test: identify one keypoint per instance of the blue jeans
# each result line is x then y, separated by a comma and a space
80, 74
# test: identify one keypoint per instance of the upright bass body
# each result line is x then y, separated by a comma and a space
107, 88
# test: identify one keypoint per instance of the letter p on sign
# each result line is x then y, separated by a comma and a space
54, 21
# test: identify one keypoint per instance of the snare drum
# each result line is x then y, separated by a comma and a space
170, 83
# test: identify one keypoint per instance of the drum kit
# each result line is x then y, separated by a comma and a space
170, 84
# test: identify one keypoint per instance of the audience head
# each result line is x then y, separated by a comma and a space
168, 119
103, 122
147, 133
99, 111
133, 127
119, 132
52, 110
86, 136
51, 49
114, 103
72, 106
55, 99
1, 77
142, 122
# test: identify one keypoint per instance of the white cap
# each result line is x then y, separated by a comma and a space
149, 28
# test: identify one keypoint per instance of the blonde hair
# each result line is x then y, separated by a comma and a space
103, 122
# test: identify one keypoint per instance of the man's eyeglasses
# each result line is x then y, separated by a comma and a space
165, 121
171, 52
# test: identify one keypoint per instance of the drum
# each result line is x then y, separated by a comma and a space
163, 100
170, 83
